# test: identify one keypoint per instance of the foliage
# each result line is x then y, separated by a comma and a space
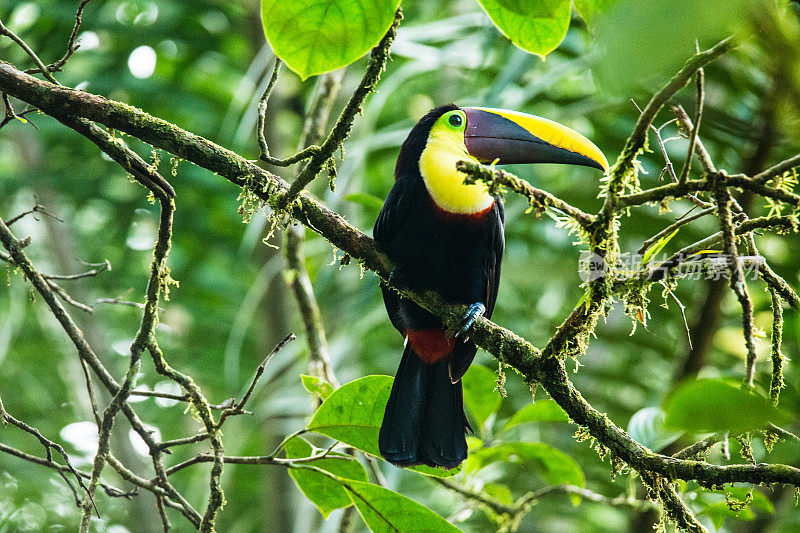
711, 405
326, 493
323, 36
232, 305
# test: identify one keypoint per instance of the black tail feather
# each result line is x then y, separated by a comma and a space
424, 422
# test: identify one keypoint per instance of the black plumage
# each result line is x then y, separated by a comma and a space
459, 256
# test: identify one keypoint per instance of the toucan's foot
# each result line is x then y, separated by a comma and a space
475, 310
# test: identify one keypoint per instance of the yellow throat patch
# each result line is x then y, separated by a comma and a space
445, 184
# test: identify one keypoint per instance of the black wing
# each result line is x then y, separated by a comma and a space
464, 352
394, 212
391, 219
499, 244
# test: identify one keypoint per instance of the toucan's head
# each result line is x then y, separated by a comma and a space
448, 134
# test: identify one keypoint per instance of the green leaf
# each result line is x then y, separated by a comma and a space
538, 27
387, 511
367, 200
711, 503
541, 411
758, 500
353, 414
326, 493
480, 395
719, 511
552, 464
316, 36
318, 386
640, 45
646, 426
499, 492
712, 405
658, 246
590, 9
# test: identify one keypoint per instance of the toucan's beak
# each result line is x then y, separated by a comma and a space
514, 137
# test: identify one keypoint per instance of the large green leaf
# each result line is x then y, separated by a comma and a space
536, 26
640, 44
353, 414
552, 464
590, 9
719, 511
326, 493
711, 405
541, 411
712, 503
480, 395
316, 36
387, 511
646, 426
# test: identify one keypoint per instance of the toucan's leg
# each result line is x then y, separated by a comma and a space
475, 310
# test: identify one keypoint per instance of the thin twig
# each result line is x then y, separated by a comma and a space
141, 171
258, 460
72, 46
37, 208
118, 301
738, 283
67, 298
495, 177
340, 131
669, 167
685, 124
698, 447
199, 437
162, 513
157, 282
63, 469
784, 434
238, 408
776, 382
183, 398
698, 116
523, 505
262, 141
22, 44
101, 267
777, 170
49, 446
300, 283
672, 227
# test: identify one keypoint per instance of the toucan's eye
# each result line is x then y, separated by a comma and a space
456, 120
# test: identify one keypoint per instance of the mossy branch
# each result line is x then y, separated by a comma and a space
496, 178
545, 367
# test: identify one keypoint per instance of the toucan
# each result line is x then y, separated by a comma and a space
447, 236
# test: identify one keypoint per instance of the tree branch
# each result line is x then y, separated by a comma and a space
544, 367
377, 63
494, 178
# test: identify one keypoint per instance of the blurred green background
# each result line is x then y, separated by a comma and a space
232, 305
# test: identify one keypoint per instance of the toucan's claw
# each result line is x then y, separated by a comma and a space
475, 310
